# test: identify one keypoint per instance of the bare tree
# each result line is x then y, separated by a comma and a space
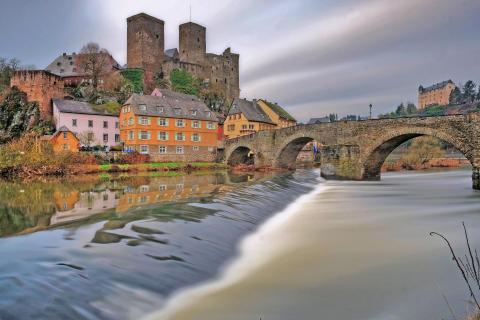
86, 138
94, 61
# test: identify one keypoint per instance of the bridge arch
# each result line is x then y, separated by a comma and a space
374, 155
242, 154
288, 152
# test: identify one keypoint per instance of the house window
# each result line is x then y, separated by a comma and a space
130, 121
162, 149
251, 126
65, 135
105, 137
117, 137
144, 121
105, 124
195, 124
195, 137
180, 123
144, 149
196, 148
244, 127
179, 149
193, 112
142, 107
162, 187
162, 122
131, 135
74, 122
116, 125
231, 127
163, 136
179, 136
144, 135
90, 136
90, 123
66, 147
211, 125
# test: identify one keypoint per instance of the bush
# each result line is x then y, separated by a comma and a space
133, 158
135, 77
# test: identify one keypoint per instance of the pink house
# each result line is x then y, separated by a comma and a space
84, 119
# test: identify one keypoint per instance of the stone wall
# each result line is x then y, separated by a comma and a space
192, 43
41, 86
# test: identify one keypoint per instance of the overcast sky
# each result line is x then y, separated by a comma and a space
312, 56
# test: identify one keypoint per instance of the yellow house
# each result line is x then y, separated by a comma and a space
277, 114
437, 94
246, 117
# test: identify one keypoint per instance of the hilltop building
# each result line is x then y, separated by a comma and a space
437, 94
67, 67
170, 127
146, 50
247, 117
101, 127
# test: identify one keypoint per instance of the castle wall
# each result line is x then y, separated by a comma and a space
40, 86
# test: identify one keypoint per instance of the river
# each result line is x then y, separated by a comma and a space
223, 246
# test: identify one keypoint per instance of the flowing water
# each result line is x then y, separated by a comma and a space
222, 246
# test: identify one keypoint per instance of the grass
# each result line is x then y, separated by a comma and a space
159, 166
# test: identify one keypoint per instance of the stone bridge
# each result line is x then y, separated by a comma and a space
355, 150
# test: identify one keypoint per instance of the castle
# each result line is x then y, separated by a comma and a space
146, 50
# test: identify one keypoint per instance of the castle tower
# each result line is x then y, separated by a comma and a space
192, 43
145, 43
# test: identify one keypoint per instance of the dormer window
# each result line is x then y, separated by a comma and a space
142, 107
177, 110
159, 109
59, 64
209, 114
194, 112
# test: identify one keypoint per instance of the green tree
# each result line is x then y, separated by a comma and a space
469, 91
401, 111
456, 96
7, 67
411, 109
184, 82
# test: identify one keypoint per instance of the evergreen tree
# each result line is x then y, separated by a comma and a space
469, 91
456, 96
411, 108
401, 111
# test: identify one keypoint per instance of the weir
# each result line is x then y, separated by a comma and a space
356, 150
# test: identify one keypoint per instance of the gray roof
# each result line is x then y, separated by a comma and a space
171, 52
63, 129
65, 66
171, 102
319, 120
435, 86
71, 106
178, 95
250, 110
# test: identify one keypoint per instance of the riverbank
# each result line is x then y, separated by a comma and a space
399, 164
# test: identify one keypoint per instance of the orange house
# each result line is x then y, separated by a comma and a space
63, 140
171, 127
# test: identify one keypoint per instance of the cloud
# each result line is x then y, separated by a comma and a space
313, 57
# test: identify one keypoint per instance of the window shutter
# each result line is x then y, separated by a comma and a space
149, 121
166, 136
199, 138
139, 135
139, 120
166, 122
148, 135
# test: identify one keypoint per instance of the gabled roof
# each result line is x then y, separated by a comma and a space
436, 86
250, 110
282, 113
80, 107
319, 120
171, 105
171, 53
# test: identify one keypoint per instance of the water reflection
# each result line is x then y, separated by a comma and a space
32, 206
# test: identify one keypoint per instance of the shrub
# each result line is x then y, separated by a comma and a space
133, 158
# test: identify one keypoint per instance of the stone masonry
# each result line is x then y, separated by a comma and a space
41, 86
146, 50
356, 150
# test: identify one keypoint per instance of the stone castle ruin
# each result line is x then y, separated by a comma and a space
146, 50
